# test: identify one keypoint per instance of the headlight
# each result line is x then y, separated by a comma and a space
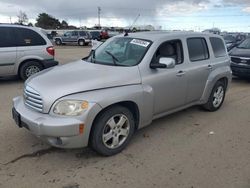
70, 107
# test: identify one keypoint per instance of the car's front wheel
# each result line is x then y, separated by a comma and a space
81, 43
217, 97
58, 42
112, 130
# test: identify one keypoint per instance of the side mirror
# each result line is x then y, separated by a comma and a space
164, 63
169, 62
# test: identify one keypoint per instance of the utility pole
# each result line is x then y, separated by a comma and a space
99, 15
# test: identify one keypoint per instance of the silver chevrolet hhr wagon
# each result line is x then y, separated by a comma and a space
128, 81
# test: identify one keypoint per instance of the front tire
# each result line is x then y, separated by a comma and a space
58, 42
112, 131
216, 98
81, 42
29, 68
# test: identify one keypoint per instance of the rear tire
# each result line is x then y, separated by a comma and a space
216, 97
112, 131
29, 68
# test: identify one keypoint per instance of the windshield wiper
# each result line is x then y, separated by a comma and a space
115, 60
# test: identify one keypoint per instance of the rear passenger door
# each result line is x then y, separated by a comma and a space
29, 44
74, 36
8, 51
198, 69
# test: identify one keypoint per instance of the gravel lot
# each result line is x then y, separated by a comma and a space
190, 149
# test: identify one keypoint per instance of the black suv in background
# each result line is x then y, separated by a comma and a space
240, 59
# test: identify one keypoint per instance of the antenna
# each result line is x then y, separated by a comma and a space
134, 21
99, 16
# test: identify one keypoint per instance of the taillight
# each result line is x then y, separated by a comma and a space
51, 50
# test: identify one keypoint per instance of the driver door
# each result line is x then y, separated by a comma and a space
169, 85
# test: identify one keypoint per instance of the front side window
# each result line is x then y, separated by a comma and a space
28, 37
171, 49
197, 48
245, 44
6, 40
67, 34
122, 51
218, 47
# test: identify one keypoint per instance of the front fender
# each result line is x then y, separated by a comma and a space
141, 95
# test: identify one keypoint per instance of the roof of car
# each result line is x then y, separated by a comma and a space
156, 35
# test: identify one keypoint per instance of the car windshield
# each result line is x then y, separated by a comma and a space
120, 51
245, 44
229, 38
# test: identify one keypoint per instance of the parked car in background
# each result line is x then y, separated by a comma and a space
128, 81
24, 51
233, 40
240, 59
104, 34
80, 37
95, 35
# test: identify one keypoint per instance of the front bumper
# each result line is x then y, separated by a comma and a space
62, 132
240, 69
49, 63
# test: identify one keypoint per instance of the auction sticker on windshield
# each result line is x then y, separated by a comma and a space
140, 42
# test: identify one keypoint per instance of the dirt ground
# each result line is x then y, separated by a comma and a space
189, 149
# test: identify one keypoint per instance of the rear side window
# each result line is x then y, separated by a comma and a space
218, 47
28, 37
197, 48
82, 33
6, 37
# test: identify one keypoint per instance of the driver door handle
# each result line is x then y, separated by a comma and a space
181, 73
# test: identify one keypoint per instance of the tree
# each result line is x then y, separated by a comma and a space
22, 18
30, 24
64, 24
47, 21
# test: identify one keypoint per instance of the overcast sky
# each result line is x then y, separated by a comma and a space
230, 15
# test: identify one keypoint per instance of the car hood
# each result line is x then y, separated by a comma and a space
239, 52
80, 76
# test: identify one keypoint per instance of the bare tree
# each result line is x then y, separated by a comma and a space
22, 18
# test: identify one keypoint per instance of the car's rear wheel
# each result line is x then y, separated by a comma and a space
58, 42
29, 68
81, 42
217, 97
112, 131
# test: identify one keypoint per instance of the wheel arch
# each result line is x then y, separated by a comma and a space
25, 61
130, 105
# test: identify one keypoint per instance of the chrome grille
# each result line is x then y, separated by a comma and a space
242, 60
33, 99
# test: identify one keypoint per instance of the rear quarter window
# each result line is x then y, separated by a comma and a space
218, 47
197, 49
28, 37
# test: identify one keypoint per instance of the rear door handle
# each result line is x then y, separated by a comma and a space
209, 67
181, 73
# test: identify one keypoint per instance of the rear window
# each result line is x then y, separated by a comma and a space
6, 37
218, 47
28, 37
197, 48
